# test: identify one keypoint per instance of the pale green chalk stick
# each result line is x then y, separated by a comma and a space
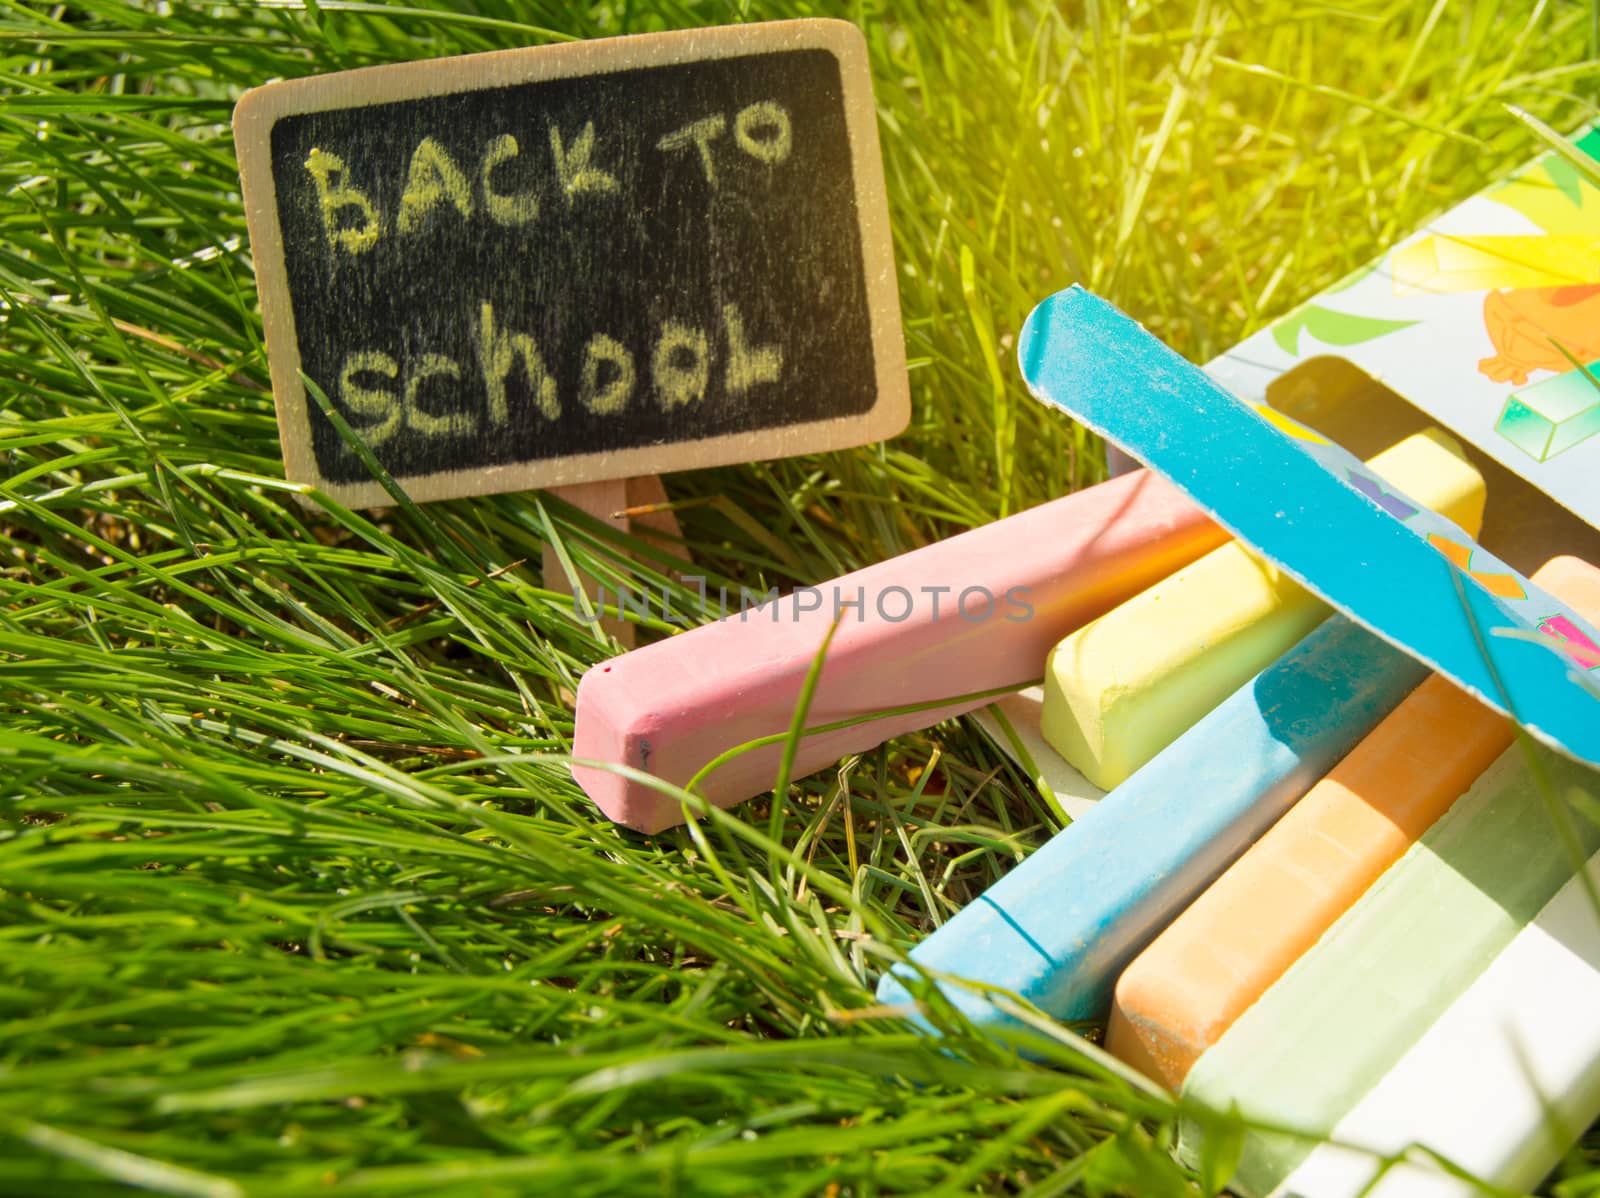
1341, 1016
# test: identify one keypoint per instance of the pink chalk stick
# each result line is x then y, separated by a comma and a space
671, 707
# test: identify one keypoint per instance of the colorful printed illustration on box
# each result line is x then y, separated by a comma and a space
1488, 320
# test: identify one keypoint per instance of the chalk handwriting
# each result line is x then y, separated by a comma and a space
432, 179
511, 210
700, 135
503, 376
681, 365
762, 131
573, 168
378, 406
436, 400
747, 364
428, 423
601, 352
499, 351
436, 180
334, 195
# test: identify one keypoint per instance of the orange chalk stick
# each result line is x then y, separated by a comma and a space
1186, 989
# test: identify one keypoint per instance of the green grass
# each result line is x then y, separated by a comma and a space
296, 896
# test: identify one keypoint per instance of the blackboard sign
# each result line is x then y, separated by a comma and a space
539, 267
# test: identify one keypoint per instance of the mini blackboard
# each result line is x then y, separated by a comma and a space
538, 267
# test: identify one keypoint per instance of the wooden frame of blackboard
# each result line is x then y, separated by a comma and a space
260, 109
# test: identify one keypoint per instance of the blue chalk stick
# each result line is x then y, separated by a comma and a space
1059, 928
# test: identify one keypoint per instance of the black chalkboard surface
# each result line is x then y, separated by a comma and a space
567, 263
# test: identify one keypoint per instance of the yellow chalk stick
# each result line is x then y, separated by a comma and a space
1122, 688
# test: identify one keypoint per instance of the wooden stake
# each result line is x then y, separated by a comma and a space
609, 500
